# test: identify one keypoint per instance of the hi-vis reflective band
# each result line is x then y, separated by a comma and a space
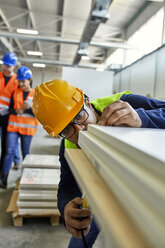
21, 125
3, 106
26, 115
5, 98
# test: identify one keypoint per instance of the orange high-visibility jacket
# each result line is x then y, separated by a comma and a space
24, 123
7, 90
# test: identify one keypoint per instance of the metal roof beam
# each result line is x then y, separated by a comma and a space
6, 44
3, 6
33, 22
53, 62
10, 29
15, 17
98, 14
63, 40
56, 20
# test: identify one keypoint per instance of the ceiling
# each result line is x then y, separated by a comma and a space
64, 28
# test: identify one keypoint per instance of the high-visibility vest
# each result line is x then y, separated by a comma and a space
7, 90
99, 104
24, 123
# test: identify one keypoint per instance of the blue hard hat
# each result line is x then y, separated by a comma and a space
10, 59
24, 73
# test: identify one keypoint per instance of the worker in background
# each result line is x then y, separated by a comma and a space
63, 109
8, 83
22, 123
148, 95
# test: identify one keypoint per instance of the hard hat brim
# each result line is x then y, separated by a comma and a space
9, 64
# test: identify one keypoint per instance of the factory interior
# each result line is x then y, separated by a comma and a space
113, 52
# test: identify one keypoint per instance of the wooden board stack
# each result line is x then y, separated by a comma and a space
131, 162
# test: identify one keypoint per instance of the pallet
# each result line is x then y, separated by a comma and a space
18, 218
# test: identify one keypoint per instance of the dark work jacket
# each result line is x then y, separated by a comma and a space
152, 114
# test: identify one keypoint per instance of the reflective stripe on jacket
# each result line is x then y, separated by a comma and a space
7, 90
24, 123
99, 104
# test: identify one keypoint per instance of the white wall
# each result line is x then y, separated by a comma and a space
42, 75
143, 76
125, 79
160, 75
146, 76
94, 84
116, 83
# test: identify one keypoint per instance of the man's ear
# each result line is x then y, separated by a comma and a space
87, 102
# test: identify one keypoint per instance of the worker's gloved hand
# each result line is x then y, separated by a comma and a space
120, 113
26, 105
76, 218
19, 111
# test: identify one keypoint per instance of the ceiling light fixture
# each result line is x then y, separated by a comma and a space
26, 31
85, 57
35, 53
39, 65
83, 52
100, 69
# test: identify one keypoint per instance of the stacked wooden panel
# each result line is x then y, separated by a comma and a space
131, 162
41, 161
38, 185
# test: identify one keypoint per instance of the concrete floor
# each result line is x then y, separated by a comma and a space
35, 232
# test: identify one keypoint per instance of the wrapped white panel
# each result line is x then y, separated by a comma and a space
40, 178
38, 211
138, 190
31, 194
41, 161
36, 204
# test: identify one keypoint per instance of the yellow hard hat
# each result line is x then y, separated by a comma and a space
55, 104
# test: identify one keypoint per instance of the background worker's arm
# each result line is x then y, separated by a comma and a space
76, 218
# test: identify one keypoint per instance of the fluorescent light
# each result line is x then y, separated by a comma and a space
83, 52
26, 31
1, 62
100, 69
35, 53
85, 57
38, 65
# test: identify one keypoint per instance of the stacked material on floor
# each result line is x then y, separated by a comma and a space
131, 162
38, 191
41, 161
